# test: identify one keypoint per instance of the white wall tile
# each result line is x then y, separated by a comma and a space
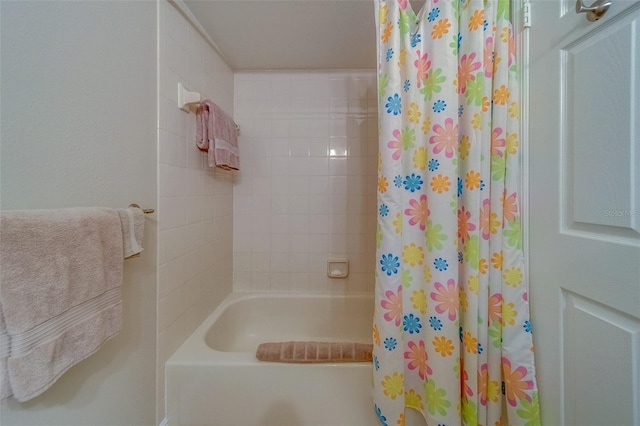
280, 225
299, 223
338, 185
176, 119
171, 307
319, 185
261, 185
299, 262
171, 80
280, 146
260, 281
311, 179
299, 146
319, 224
319, 205
299, 166
299, 281
318, 166
279, 281
318, 147
176, 27
282, 186
196, 205
337, 166
261, 243
339, 87
173, 212
176, 57
242, 242
280, 205
193, 208
319, 244
280, 262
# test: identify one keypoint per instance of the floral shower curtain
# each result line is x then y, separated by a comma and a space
452, 336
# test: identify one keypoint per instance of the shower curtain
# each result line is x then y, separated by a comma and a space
452, 335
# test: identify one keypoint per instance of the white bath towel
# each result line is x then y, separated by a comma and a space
132, 220
60, 300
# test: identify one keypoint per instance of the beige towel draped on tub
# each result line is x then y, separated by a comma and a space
60, 272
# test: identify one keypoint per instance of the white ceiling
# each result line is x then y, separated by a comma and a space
290, 34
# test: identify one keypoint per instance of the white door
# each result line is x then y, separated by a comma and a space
584, 212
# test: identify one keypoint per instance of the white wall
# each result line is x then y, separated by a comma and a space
306, 191
196, 202
79, 129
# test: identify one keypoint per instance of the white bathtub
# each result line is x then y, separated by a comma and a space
214, 379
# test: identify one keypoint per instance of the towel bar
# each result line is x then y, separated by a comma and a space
145, 211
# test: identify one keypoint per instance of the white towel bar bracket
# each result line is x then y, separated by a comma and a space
187, 98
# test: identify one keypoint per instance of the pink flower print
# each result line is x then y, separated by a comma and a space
495, 308
422, 64
464, 377
515, 383
396, 144
446, 138
418, 356
488, 57
466, 68
509, 206
403, 4
393, 306
488, 389
512, 48
447, 298
464, 225
497, 142
488, 220
419, 213
485, 214
483, 381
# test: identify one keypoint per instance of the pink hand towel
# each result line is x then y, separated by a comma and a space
202, 129
216, 133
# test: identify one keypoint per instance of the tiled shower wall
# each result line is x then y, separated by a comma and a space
306, 191
195, 207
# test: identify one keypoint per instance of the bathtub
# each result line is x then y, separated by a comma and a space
214, 379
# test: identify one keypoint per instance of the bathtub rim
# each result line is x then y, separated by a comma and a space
195, 350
